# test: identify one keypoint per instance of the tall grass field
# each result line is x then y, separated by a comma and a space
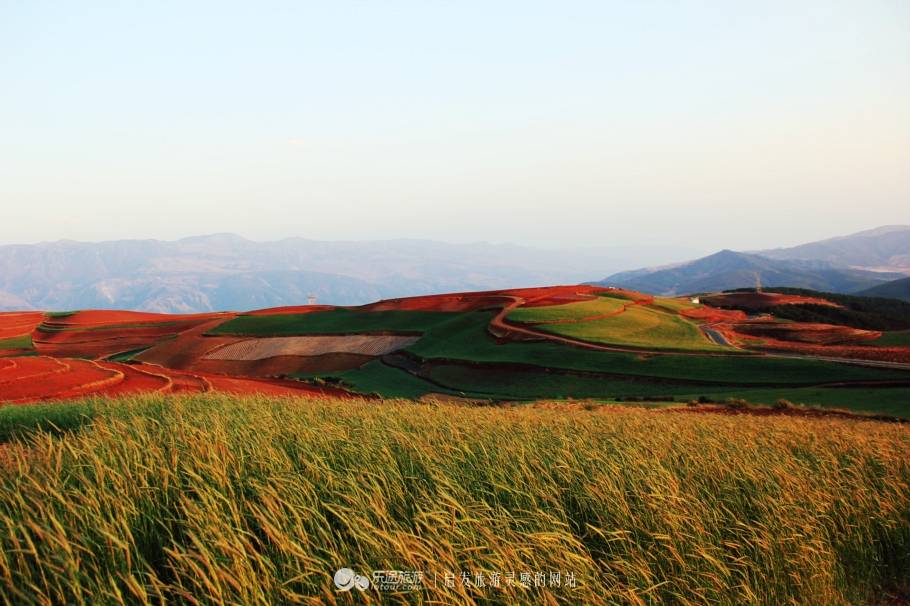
223, 500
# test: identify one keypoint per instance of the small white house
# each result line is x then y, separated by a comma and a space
695, 300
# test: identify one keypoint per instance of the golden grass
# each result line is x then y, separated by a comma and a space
212, 499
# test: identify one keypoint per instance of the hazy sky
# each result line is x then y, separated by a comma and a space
728, 124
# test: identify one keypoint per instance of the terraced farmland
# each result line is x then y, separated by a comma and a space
515, 345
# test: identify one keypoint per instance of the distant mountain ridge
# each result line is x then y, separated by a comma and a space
882, 248
896, 289
867, 259
225, 271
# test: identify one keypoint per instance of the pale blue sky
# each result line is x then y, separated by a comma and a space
734, 124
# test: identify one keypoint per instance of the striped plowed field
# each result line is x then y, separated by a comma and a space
187, 347
74, 378
269, 347
101, 348
16, 324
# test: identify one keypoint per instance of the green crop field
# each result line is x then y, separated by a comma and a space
895, 338
640, 326
21, 342
569, 311
496, 383
336, 321
465, 337
221, 500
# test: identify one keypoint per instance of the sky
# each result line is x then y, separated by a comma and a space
714, 124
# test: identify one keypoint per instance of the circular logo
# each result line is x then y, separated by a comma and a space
346, 579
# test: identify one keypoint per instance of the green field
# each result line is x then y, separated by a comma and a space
335, 321
20, 342
895, 338
881, 400
493, 383
465, 337
640, 326
654, 326
220, 500
452, 342
569, 311
466, 360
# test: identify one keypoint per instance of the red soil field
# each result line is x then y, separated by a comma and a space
135, 380
102, 317
31, 368
713, 314
187, 347
806, 332
77, 377
857, 352
97, 334
449, 303
755, 301
40, 378
92, 349
558, 295
471, 301
16, 324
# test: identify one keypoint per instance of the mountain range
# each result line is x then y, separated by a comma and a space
847, 264
226, 271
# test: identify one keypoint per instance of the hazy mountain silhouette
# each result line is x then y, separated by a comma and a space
225, 271
837, 268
